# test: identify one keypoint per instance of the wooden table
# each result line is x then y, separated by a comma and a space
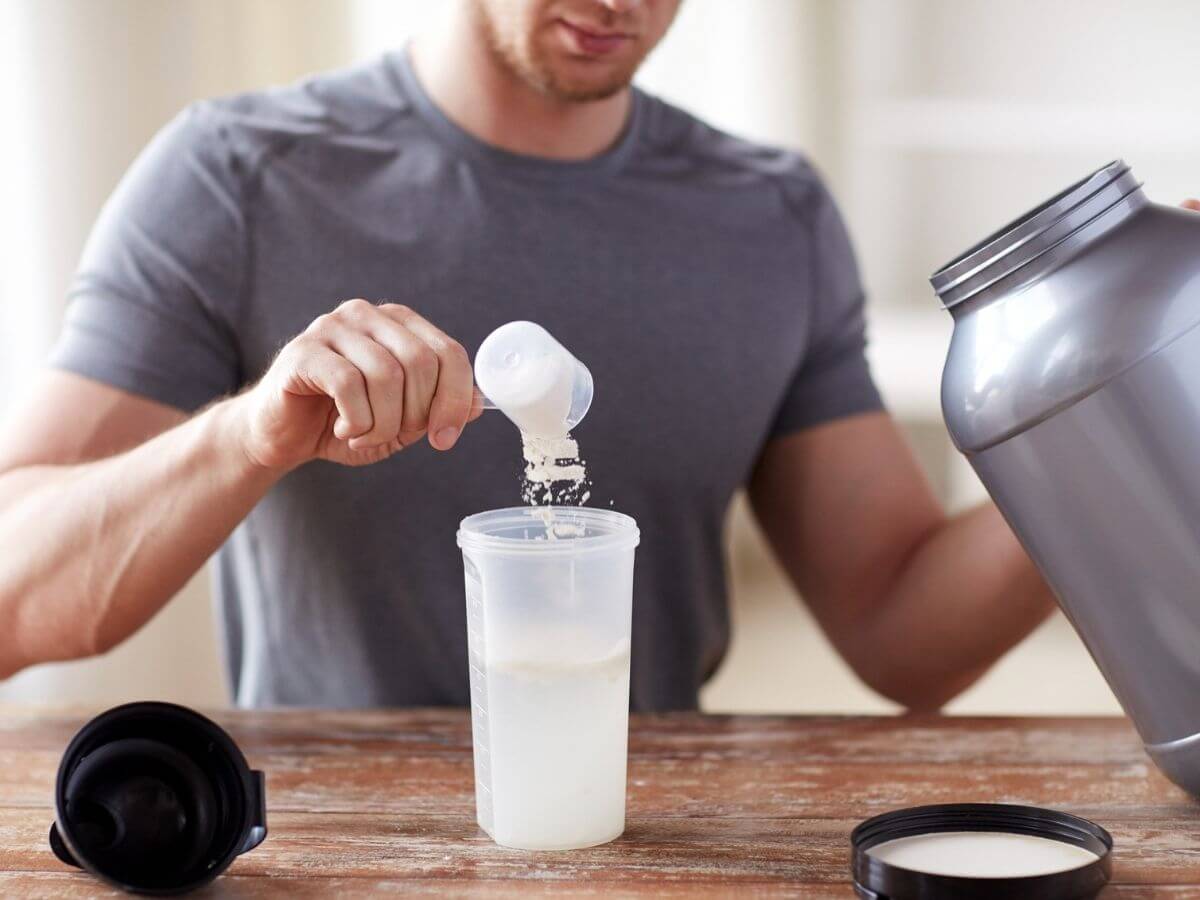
373, 802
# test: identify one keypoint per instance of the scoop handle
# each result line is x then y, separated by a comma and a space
483, 402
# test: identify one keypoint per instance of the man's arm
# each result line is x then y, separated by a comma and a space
95, 546
918, 603
109, 502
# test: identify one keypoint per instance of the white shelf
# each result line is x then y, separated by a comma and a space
906, 351
949, 124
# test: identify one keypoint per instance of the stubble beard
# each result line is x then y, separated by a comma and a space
535, 70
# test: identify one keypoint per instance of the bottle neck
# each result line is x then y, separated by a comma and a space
1041, 239
1053, 257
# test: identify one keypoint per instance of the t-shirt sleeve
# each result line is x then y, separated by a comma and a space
152, 305
833, 379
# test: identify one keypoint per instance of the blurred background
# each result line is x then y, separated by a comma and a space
935, 121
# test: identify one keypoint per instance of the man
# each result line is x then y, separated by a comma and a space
502, 168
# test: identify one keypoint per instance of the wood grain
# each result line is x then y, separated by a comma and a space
364, 803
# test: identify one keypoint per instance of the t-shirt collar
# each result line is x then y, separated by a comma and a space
606, 163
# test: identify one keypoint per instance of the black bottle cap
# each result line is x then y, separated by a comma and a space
155, 798
875, 879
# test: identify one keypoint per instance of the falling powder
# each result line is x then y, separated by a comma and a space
554, 473
555, 527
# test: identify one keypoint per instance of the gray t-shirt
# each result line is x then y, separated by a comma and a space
707, 282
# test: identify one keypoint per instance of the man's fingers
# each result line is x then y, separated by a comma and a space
453, 398
324, 371
420, 366
385, 381
1191, 203
415, 377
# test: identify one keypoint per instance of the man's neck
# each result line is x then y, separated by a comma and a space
481, 95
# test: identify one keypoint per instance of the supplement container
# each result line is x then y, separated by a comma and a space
1072, 385
549, 592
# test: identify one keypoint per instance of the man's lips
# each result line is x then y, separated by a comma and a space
592, 43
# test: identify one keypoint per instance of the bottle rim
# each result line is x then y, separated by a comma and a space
1033, 234
523, 530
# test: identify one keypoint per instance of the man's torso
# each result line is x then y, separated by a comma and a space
677, 267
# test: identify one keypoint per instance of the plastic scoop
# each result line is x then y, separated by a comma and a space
525, 373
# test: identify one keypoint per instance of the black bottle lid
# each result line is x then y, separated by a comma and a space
876, 879
155, 798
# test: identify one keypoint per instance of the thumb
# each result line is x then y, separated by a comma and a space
1191, 203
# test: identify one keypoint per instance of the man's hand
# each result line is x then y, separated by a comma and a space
357, 385
1191, 203
130, 496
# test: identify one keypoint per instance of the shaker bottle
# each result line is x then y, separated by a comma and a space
549, 593
1072, 385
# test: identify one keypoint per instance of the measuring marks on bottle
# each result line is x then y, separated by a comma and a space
480, 730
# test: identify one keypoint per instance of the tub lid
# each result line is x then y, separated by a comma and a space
896, 877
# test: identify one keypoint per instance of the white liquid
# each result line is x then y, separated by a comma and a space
558, 733
982, 854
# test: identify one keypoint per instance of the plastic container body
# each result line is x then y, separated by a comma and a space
1072, 385
549, 599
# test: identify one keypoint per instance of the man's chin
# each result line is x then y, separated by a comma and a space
585, 93
579, 81
575, 89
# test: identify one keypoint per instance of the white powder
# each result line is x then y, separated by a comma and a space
554, 473
529, 376
533, 380
982, 854
556, 529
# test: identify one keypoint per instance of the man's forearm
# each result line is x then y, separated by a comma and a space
92, 551
965, 596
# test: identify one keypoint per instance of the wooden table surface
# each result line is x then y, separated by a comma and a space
373, 802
